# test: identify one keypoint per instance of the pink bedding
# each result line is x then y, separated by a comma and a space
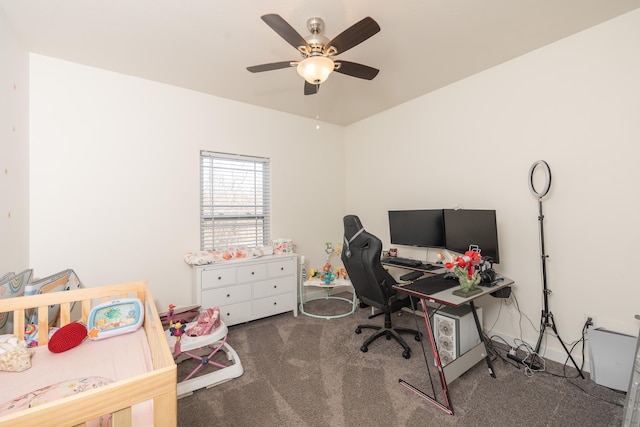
115, 358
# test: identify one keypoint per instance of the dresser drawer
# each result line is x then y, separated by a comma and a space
275, 304
282, 268
236, 313
217, 277
248, 289
273, 287
218, 297
252, 273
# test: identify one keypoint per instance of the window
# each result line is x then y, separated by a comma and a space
234, 201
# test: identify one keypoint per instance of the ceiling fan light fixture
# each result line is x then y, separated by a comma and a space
315, 69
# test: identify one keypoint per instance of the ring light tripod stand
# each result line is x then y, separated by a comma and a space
547, 317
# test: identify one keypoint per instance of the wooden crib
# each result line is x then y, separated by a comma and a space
117, 398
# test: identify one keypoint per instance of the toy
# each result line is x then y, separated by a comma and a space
177, 330
115, 317
327, 274
184, 314
31, 334
170, 314
67, 337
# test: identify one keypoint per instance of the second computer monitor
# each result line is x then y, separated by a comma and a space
465, 227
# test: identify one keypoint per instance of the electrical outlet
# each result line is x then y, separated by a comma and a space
594, 320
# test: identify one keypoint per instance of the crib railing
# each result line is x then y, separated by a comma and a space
116, 398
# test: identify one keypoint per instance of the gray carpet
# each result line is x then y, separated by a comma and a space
310, 372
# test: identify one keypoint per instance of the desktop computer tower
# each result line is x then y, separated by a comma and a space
455, 332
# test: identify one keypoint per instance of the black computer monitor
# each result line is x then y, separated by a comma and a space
465, 227
423, 228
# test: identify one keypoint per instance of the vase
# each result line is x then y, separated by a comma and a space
468, 287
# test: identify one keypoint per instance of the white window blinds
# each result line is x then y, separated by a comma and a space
234, 201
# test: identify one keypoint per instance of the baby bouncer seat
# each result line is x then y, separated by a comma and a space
201, 340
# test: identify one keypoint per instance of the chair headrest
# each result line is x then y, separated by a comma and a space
352, 229
352, 225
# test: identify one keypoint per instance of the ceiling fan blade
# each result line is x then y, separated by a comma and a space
271, 66
310, 89
285, 30
356, 70
354, 35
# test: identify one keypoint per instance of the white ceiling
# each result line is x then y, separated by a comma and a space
206, 45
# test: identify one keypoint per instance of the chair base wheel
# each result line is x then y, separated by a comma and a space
388, 332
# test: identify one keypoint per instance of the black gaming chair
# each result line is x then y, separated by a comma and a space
372, 283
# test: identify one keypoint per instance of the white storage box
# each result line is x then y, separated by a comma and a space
611, 357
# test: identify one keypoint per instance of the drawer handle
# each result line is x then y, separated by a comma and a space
219, 277
275, 303
275, 286
228, 295
281, 268
253, 272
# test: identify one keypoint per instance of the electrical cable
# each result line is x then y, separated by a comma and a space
515, 299
533, 361
573, 345
501, 339
594, 396
529, 351
497, 317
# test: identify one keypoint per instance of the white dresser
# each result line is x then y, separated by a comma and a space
248, 289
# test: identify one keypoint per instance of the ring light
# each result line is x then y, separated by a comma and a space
546, 319
547, 173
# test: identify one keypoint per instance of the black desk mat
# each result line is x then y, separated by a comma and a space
431, 285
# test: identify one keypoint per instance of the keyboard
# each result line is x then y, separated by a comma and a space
406, 262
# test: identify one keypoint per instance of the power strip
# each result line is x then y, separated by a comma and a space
511, 355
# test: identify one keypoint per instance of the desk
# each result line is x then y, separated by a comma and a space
327, 287
420, 289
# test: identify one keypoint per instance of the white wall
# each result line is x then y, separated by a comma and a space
14, 152
115, 175
575, 104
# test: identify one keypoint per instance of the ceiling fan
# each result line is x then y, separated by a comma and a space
316, 64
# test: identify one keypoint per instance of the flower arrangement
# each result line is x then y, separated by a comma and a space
464, 267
